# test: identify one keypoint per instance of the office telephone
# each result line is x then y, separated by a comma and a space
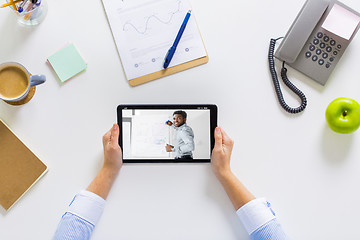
314, 44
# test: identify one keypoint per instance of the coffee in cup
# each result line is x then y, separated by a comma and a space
15, 81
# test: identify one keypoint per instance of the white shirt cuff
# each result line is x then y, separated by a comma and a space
255, 214
88, 206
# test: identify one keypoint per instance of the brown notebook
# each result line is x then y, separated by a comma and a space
19, 168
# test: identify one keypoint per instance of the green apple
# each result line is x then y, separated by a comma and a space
343, 115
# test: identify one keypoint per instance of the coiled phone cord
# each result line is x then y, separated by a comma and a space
286, 81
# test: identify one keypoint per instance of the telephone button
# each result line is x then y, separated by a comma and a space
319, 35
328, 49
322, 45
318, 51
332, 42
316, 41
327, 65
321, 62
339, 46
332, 59
314, 58
312, 48
326, 38
335, 53
308, 54
325, 55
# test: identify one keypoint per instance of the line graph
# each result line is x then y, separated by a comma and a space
144, 30
129, 25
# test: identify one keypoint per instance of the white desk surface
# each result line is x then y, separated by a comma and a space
309, 173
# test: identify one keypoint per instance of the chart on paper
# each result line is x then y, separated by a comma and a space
148, 25
144, 30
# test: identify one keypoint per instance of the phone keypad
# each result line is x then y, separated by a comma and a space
323, 50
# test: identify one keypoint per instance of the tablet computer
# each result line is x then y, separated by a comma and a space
166, 133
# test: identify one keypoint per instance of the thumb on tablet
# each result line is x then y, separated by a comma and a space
218, 138
114, 134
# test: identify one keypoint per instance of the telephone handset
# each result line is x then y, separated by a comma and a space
314, 44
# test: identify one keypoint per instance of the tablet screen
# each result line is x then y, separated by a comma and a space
165, 133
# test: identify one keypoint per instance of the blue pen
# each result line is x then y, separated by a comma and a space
171, 51
21, 8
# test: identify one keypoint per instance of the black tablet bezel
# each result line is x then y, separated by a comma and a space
213, 125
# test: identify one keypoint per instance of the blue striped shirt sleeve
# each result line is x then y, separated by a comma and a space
73, 227
80, 219
260, 221
271, 230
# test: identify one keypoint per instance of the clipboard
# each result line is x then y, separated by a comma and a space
132, 25
166, 72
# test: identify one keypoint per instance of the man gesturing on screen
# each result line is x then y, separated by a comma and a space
184, 137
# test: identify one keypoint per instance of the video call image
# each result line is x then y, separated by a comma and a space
164, 134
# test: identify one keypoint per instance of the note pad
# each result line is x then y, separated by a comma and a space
67, 62
20, 169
